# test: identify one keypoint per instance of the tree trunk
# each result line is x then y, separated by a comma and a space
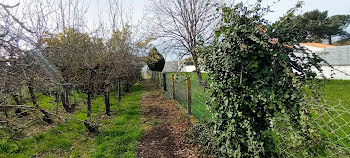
64, 103
127, 87
330, 40
107, 103
5, 110
67, 97
74, 97
119, 91
198, 70
90, 126
15, 98
89, 104
57, 98
46, 117
18, 111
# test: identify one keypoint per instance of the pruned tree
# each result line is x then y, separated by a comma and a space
122, 58
19, 47
155, 60
61, 50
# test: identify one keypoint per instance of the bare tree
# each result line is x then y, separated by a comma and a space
18, 46
181, 24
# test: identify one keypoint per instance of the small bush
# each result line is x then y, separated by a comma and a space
203, 136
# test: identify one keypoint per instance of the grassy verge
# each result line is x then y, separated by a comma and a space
336, 118
118, 135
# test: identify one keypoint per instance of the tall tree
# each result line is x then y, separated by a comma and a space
318, 25
182, 23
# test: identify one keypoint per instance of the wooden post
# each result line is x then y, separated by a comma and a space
164, 81
189, 96
173, 85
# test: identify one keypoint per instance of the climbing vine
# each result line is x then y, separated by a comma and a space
259, 77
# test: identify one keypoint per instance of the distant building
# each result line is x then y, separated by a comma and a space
184, 65
337, 56
171, 66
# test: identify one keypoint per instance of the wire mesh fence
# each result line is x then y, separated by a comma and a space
191, 97
332, 121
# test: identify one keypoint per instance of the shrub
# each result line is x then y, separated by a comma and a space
155, 60
258, 73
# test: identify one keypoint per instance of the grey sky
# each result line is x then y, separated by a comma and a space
333, 6
138, 6
98, 8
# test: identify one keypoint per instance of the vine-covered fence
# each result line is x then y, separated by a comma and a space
332, 120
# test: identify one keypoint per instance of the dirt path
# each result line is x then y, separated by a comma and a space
165, 126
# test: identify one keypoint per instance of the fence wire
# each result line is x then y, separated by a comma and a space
331, 121
199, 107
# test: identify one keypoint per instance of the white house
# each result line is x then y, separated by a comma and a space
184, 65
336, 56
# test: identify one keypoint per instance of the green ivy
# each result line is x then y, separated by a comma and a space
258, 73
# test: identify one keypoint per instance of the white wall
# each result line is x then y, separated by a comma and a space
190, 68
339, 58
339, 72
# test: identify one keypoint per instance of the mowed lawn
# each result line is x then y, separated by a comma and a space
336, 117
337, 91
118, 134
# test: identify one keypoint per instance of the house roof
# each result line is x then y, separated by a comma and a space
317, 45
171, 66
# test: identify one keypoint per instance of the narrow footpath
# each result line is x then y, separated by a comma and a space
164, 124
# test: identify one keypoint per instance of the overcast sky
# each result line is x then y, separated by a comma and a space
138, 7
333, 6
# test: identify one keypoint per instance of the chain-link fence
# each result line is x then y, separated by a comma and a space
184, 88
332, 122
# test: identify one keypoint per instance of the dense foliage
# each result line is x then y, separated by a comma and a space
155, 60
258, 76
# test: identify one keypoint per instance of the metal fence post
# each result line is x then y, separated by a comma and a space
173, 85
164, 81
189, 100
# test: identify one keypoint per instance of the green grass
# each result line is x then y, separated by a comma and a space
337, 91
336, 119
118, 135
199, 108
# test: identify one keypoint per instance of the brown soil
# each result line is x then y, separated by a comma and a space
165, 126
